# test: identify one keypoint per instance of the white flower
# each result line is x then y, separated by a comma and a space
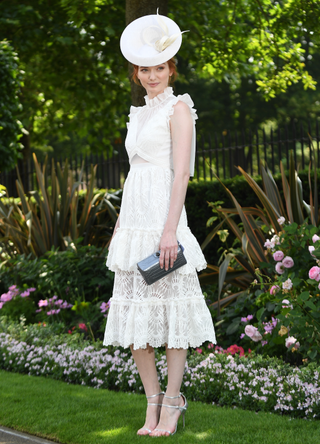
292, 341
286, 304
269, 244
315, 238
275, 239
281, 220
287, 285
311, 249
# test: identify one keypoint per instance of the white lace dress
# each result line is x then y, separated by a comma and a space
172, 311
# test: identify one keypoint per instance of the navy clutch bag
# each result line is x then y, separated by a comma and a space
150, 267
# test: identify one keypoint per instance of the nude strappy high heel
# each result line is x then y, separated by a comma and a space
182, 411
152, 403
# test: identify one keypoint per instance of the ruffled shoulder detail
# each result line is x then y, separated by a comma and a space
133, 111
188, 101
170, 110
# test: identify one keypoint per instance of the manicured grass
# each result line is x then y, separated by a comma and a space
76, 414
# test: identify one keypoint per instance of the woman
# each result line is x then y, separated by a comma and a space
161, 149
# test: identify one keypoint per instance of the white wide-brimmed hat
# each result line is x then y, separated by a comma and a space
150, 40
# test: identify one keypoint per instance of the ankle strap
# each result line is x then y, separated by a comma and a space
153, 396
173, 397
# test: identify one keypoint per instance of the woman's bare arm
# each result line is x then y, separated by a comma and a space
181, 131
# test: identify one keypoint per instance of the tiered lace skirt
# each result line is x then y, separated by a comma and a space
172, 311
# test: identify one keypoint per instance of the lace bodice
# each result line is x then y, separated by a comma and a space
149, 134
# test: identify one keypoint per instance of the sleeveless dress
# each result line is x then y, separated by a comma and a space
171, 311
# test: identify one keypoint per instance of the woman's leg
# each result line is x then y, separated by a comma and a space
176, 359
145, 362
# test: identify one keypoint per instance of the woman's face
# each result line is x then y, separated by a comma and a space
154, 78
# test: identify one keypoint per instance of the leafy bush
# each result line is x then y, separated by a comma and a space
78, 276
199, 194
10, 127
49, 217
256, 223
289, 301
52, 334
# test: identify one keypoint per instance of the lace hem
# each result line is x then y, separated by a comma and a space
131, 245
172, 311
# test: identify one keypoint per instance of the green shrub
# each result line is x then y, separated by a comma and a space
49, 217
199, 212
10, 127
78, 276
70, 273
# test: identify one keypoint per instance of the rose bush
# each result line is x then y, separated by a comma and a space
289, 300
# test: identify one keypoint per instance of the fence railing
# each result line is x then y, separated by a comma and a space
220, 154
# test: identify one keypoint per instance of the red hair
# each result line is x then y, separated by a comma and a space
172, 68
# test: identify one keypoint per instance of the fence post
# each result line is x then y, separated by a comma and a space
258, 151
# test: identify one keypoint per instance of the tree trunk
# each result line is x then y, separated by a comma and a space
134, 10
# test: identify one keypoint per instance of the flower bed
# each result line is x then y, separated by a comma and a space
254, 383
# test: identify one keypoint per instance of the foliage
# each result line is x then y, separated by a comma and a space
259, 37
228, 325
75, 278
10, 127
291, 295
49, 218
75, 85
76, 90
256, 223
16, 303
51, 334
262, 384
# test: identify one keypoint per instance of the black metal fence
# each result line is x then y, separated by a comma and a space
220, 154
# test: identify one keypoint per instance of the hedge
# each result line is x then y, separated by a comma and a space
199, 193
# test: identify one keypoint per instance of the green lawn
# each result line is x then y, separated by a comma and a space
76, 414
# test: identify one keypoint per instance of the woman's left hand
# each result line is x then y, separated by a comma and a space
168, 250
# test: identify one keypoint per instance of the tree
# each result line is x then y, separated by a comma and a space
10, 127
75, 82
76, 90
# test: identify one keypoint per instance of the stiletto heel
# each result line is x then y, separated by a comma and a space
182, 410
151, 403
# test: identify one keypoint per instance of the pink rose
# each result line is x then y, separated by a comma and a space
279, 268
311, 249
278, 256
292, 341
286, 304
315, 238
269, 244
314, 273
288, 262
253, 333
274, 289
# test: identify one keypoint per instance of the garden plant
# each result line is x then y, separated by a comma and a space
224, 377
50, 217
